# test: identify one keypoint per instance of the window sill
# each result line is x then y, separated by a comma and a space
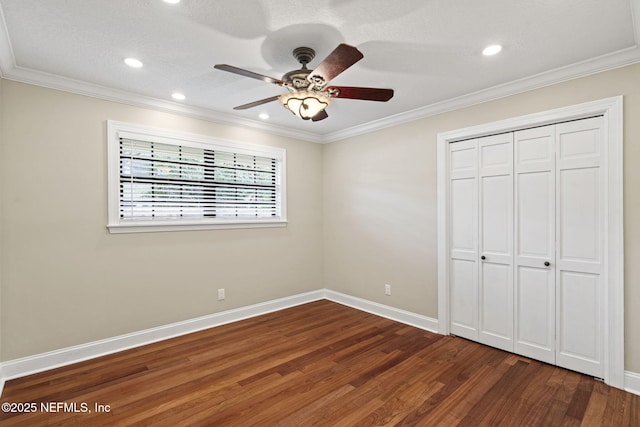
157, 226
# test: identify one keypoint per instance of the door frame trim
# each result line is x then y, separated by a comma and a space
612, 110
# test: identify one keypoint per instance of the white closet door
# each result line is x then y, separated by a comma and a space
534, 300
495, 289
463, 185
579, 269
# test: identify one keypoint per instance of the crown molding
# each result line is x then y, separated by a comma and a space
9, 70
588, 67
592, 66
52, 81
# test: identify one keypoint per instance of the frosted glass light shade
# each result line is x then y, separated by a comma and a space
304, 103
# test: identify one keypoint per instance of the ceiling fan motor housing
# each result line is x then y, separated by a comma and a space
298, 78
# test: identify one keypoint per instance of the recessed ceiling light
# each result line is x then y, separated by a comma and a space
172, 1
133, 62
178, 96
491, 50
263, 116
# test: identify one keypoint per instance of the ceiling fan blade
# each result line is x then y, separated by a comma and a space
342, 57
247, 73
256, 103
365, 93
320, 116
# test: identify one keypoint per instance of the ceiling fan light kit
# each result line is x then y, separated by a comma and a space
308, 95
305, 104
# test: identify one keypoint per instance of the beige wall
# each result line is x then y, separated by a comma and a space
380, 199
67, 281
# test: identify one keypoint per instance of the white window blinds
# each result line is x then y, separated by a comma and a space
164, 181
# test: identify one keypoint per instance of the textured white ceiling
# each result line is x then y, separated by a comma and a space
429, 51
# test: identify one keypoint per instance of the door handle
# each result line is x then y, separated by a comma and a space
483, 257
547, 263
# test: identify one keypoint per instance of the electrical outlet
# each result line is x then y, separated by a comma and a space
221, 294
387, 289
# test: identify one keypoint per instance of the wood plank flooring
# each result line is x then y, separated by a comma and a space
319, 364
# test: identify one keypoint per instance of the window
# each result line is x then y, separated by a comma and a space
163, 180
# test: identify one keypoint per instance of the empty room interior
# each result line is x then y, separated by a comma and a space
443, 228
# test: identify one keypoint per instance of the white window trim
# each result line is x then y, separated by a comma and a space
116, 130
611, 109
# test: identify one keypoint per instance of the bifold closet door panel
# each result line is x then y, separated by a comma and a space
527, 242
495, 291
579, 282
463, 193
534, 232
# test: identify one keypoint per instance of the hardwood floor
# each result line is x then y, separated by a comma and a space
317, 364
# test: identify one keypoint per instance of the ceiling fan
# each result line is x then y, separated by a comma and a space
309, 94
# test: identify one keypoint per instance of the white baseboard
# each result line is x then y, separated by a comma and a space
66, 356
632, 382
402, 316
41, 362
